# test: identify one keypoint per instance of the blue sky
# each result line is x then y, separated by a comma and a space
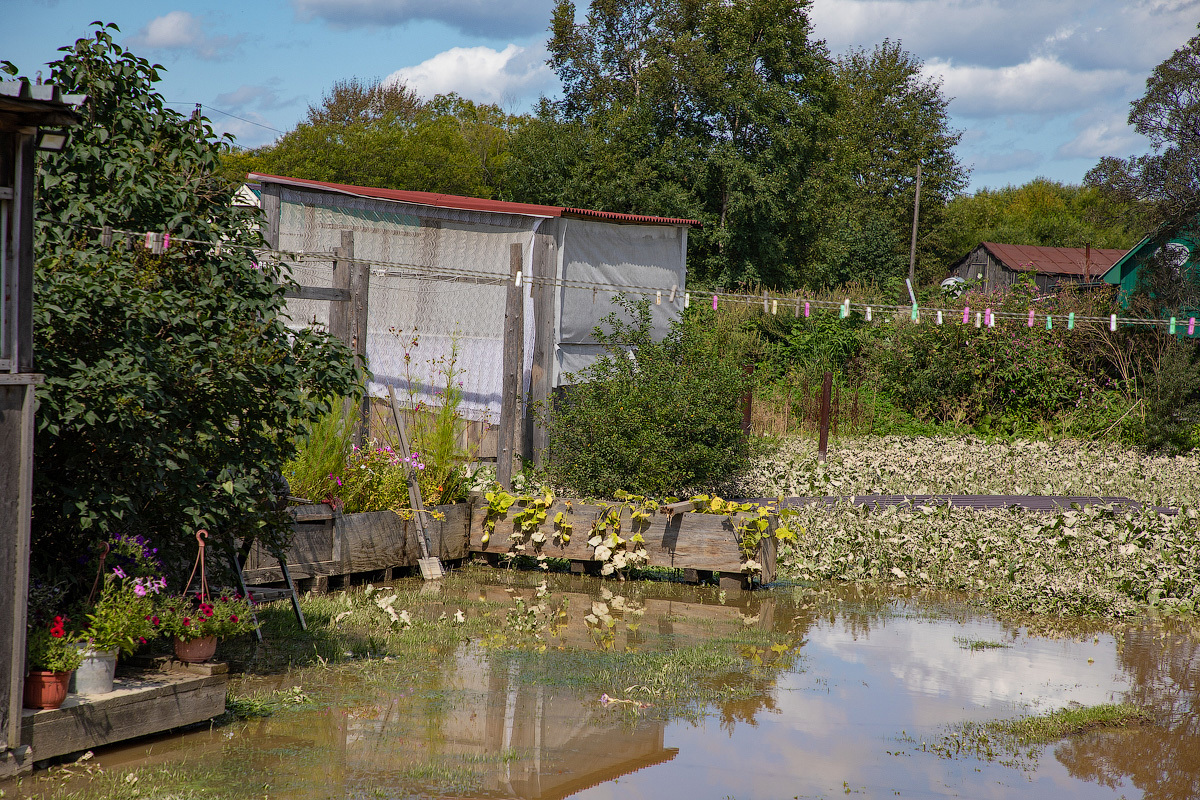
1039, 87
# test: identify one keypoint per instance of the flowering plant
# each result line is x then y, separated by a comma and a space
121, 617
48, 647
195, 617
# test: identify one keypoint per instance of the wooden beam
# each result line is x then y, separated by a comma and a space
317, 293
823, 442
545, 264
513, 366
269, 200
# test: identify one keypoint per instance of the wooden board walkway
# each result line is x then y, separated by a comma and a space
141, 704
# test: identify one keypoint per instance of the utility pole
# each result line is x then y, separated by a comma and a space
912, 250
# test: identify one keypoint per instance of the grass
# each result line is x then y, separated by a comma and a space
967, 643
1018, 742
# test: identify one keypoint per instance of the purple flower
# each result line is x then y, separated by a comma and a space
139, 590
120, 573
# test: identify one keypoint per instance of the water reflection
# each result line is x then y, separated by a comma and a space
878, 675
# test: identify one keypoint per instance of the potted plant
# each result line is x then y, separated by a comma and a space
197, 621
120, 620
50, 659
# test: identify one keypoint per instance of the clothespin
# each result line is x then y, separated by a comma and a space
916, 313
166, 240
156, 243
517, 283
967, 315
774, 307
1172, 330
1191, 326
1071, 321
765, 309
673, 288
658, 298
1048, 326
1112, 322
150, 241
594, 290
106, 236
868, 313
977, 318
687, 299
987, 317
807, 310
1030, 318
846, 308
714, 302
939, 322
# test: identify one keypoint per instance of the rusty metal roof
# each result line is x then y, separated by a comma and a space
466, 203
1054, 260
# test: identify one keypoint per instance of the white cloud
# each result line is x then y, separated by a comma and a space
180, 30
1039, 85
1006, 161
1101, 133
265, 98
480, 73
481, 17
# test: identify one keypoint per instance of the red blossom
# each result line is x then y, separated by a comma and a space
233, 617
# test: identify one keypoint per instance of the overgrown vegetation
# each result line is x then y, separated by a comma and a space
173, 390
653, 417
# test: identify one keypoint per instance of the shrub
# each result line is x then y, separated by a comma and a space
653, 417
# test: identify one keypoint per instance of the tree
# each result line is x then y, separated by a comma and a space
1041, 212
382, 135
704, 108
1167, 178
174, 392
888, 120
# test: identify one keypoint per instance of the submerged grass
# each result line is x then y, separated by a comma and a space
1019, 742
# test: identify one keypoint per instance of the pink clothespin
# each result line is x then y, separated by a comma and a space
966, 314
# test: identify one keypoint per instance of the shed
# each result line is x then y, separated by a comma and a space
997, 266
32, 117
440, 265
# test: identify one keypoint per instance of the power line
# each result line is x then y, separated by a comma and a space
226, 113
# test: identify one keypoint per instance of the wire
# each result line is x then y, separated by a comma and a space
202, 106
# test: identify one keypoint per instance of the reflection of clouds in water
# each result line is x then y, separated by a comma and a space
925, 658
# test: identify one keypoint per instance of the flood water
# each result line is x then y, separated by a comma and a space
866, 706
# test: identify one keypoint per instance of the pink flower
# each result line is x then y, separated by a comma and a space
139, 590
120, 573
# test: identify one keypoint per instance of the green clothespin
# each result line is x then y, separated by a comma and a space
1048, 326
916, 314
1071, 321
1172, 326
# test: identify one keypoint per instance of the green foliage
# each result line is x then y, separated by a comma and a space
48, 647
1041, 212
197, 617
1172, 419
321, 454
174, 392
653, 417
383, 135
121, 619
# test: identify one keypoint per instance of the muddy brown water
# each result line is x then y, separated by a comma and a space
865, 710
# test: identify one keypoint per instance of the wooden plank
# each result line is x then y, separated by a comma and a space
340, 313
317, 293
16, 477
269, 200
138, 707
513, 366
706, 542
311, 513
544, 267
376, 540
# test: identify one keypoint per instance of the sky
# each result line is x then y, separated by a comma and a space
1037, 87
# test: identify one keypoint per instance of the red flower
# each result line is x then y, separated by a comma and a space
187, 620
233, 618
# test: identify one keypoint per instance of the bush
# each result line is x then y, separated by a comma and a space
651, 417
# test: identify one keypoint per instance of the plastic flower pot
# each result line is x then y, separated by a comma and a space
95, 673
44, 689
193, 651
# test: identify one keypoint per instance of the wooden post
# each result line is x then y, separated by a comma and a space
513, 366
748, 402
348, 319
544, 267
823, 442
269, 199
912, 250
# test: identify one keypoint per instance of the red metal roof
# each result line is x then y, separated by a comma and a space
1055, 260
466, 203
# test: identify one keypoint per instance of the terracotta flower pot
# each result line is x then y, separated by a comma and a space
193, 651
44, 689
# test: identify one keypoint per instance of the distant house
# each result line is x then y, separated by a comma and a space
996, 266
1124, 273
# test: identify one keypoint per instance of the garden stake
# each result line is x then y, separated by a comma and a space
431, 566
